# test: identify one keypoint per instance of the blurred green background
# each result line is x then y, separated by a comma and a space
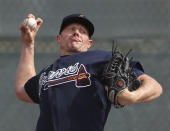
140, 25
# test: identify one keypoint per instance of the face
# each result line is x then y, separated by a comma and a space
74, 39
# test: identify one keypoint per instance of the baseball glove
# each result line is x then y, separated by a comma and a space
118, 75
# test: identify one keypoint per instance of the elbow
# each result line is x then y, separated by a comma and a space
22, 95
18, 89
18, 93
159, 91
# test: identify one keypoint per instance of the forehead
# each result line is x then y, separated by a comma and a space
76, 25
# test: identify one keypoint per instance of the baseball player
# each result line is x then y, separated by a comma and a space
70, 91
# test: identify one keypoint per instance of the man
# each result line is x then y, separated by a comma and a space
69, 92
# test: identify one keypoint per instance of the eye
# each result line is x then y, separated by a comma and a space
82, 31
72, 29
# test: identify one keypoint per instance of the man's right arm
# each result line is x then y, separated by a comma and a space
26, 68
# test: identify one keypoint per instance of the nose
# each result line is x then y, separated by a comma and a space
76, 32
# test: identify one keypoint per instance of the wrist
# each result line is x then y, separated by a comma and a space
28, 45
126, 97
27, 49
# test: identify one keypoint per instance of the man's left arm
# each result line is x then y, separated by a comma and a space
149, 90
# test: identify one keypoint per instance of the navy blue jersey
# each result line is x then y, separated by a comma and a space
70, 92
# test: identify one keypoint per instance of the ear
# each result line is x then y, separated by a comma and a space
90, 43
58, 38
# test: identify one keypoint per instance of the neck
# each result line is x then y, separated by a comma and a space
62, 53
70, 52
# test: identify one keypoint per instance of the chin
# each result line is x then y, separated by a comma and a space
75, 47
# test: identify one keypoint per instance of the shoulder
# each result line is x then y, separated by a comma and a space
46, 69
96, 54
99, 52
137, 65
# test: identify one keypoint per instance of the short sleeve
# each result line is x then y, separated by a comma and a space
32, 88
137, 68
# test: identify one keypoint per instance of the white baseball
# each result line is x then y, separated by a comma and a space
30, 22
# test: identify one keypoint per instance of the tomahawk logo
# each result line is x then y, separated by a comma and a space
80, 76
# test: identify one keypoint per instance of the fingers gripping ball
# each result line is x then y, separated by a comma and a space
30, 22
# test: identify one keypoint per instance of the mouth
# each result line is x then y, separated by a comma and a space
75, 39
